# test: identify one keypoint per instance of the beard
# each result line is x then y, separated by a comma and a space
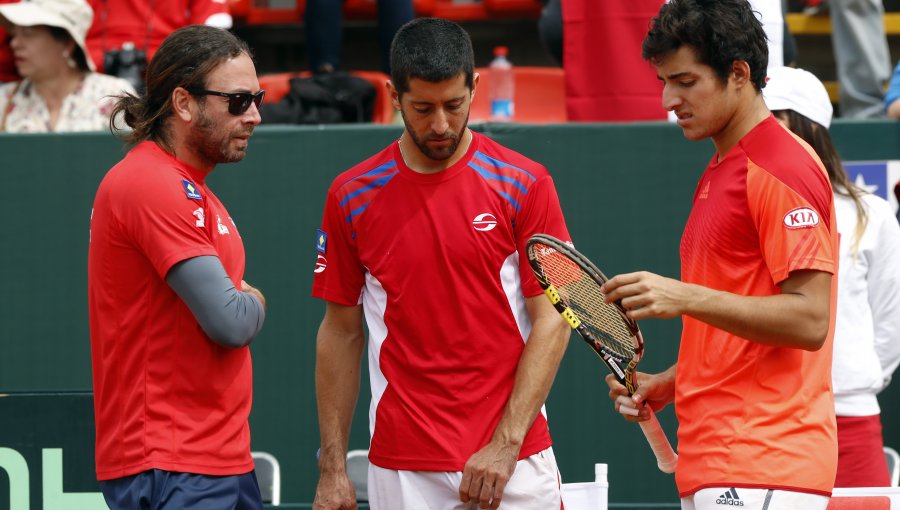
439, 154
212, 145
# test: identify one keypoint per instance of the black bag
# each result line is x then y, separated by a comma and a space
330, 98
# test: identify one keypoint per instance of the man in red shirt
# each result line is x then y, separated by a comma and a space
171, 317
758, 278
426, 239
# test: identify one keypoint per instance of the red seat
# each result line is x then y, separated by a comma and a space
254, 12
460, 11
516, 8
859, 503
540, 95
383, 110
277, 86
367, 9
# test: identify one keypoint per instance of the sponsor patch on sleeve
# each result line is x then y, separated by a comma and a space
321, 240
321, 264
191, 190
801, 217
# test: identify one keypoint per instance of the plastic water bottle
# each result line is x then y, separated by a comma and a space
502, 86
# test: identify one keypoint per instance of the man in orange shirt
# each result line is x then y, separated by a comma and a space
757, 291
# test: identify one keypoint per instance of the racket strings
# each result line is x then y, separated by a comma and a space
581, 294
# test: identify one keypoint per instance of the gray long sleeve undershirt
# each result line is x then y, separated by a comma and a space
230, 317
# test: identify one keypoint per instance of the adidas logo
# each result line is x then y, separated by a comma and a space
730, 498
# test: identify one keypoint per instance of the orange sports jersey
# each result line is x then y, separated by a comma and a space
753, 415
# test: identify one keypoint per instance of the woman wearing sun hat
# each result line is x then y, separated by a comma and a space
867, 328
59, 90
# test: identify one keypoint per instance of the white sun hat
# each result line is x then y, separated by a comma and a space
73, 16
788, 88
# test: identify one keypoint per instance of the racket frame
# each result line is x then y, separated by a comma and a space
666, 457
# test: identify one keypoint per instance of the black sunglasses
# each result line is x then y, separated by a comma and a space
238, 102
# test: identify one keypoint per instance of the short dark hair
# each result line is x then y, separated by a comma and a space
431, 49
719, 31
185, 59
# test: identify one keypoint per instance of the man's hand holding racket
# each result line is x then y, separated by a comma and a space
646, 295
654, 391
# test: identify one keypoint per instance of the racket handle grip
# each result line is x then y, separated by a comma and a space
666, 458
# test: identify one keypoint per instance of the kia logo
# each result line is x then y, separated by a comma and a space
802, 217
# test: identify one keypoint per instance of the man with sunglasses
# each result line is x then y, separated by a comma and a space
171, 317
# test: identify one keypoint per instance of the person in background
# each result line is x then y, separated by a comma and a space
897, 196
324, 33
171, 317
861, 55
892, 95
456, 413
126, 33
867, 329
59, 90
550, 29
758, 284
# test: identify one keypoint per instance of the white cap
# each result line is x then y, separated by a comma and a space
73, 16
795, 89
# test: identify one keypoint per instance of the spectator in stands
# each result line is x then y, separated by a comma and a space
126, 33
892, 96
867, 328
861, 56
59, 90
550, 28
324, 19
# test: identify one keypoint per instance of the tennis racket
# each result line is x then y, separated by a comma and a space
572, 283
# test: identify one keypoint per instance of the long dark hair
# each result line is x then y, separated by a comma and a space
185, 59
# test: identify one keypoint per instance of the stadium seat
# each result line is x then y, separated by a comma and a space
540, 95
460, 11
588, 495
804, 24
367, 9
893, 459
859, 503
277, 86
358, 472
256, 12
268, 473
383, 111
517, 8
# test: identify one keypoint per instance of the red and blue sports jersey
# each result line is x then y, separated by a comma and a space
438, 262
165, 395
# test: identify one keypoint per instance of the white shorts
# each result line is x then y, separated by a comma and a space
731, 498
534, 486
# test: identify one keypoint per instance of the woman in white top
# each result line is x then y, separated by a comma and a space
867, 328
59, 90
